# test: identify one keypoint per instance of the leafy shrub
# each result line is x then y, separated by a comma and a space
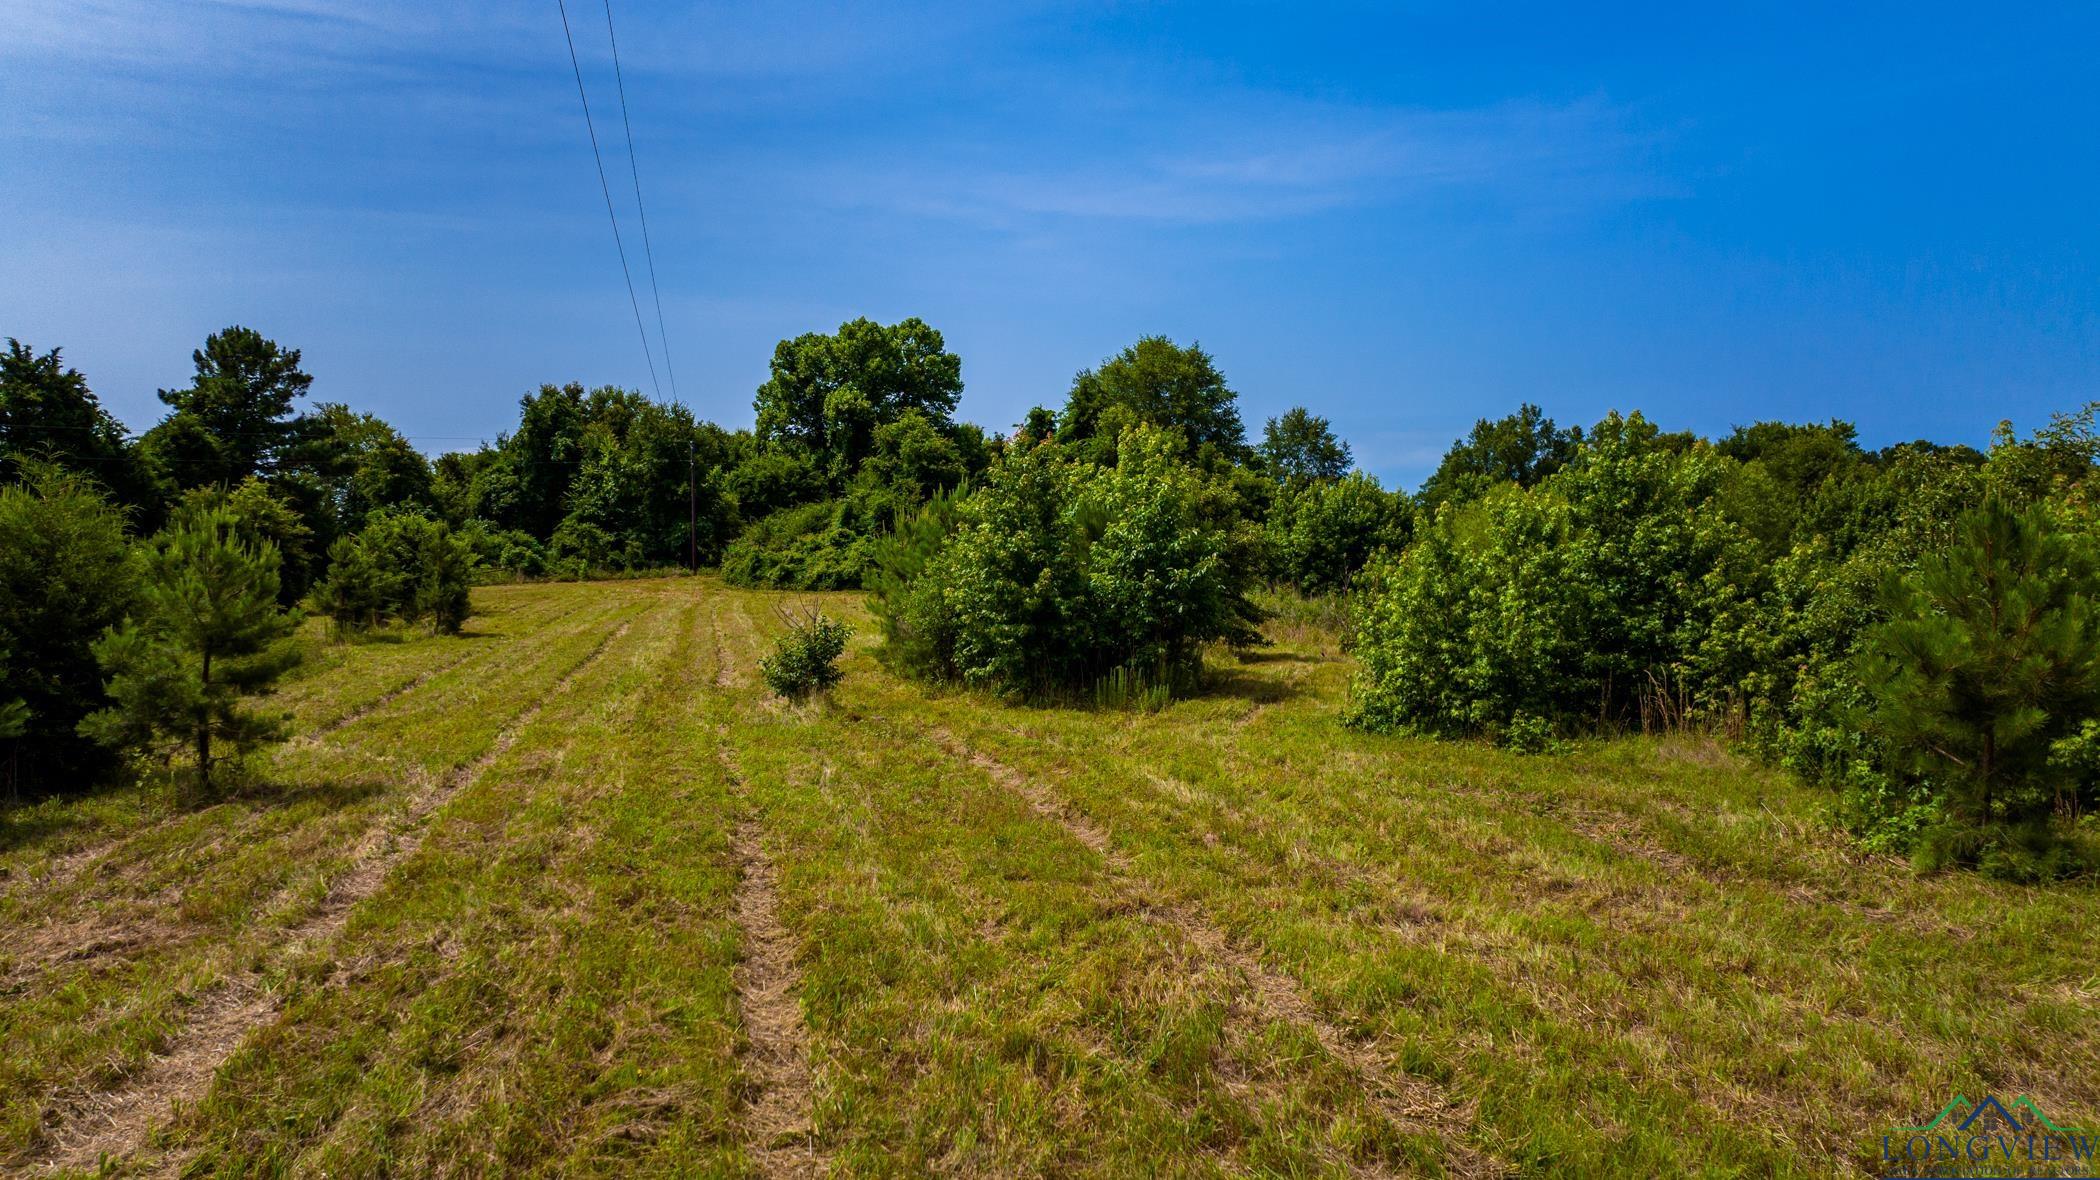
403, 566
1578, 602
805, 548
1057, 572
1481, 619
1527, 734
805, 657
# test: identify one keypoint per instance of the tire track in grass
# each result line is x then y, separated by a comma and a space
1633, 909
778, 1129
329, 729
64, 870
474, 653
116, 1123
728, 673
1410, 1103
302, 692
725, 676
98, 935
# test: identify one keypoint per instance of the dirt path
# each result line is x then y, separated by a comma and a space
117, 1122
778, 1129
1410, 1103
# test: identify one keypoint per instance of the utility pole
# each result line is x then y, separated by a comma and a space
692, 508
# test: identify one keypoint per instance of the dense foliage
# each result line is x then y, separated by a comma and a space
854, 431
1987, 662
67, 573
605, 479
1321, 533
1908, 626
1614, 586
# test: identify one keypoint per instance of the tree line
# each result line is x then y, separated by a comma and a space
1911, 626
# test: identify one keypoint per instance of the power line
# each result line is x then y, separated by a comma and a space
663, 335
607, 190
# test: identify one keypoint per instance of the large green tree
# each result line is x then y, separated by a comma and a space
1159, 383
828, 394
1301, 447
348, 465
234, 419
1990, 655
1523, 448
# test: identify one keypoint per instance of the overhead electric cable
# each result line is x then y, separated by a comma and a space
663, 335
607, 190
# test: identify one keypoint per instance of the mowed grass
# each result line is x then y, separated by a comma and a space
500, 903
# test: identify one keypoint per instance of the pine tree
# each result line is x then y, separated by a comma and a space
209, 634
1990, 654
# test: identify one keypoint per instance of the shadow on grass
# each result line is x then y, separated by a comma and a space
23, 824
1271, 656
1237, 683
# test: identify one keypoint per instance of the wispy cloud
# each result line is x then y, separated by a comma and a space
1265, 157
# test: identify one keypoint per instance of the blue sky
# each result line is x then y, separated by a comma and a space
1403, 216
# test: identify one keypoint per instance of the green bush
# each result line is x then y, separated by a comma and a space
915, 635
1615, 592
401, 566
1531, 735
805, 657
807, 548
1058, 572
1984, 674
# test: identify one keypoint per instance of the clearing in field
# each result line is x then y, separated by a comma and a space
569, 893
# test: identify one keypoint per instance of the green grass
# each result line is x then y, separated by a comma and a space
1224, 938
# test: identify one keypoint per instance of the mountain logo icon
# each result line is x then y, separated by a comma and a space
2001, 1138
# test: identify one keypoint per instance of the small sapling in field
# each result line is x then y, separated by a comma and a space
805, 657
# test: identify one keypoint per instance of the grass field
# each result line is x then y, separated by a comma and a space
570, 894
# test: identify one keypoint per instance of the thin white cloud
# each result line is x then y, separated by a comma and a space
1257, 157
